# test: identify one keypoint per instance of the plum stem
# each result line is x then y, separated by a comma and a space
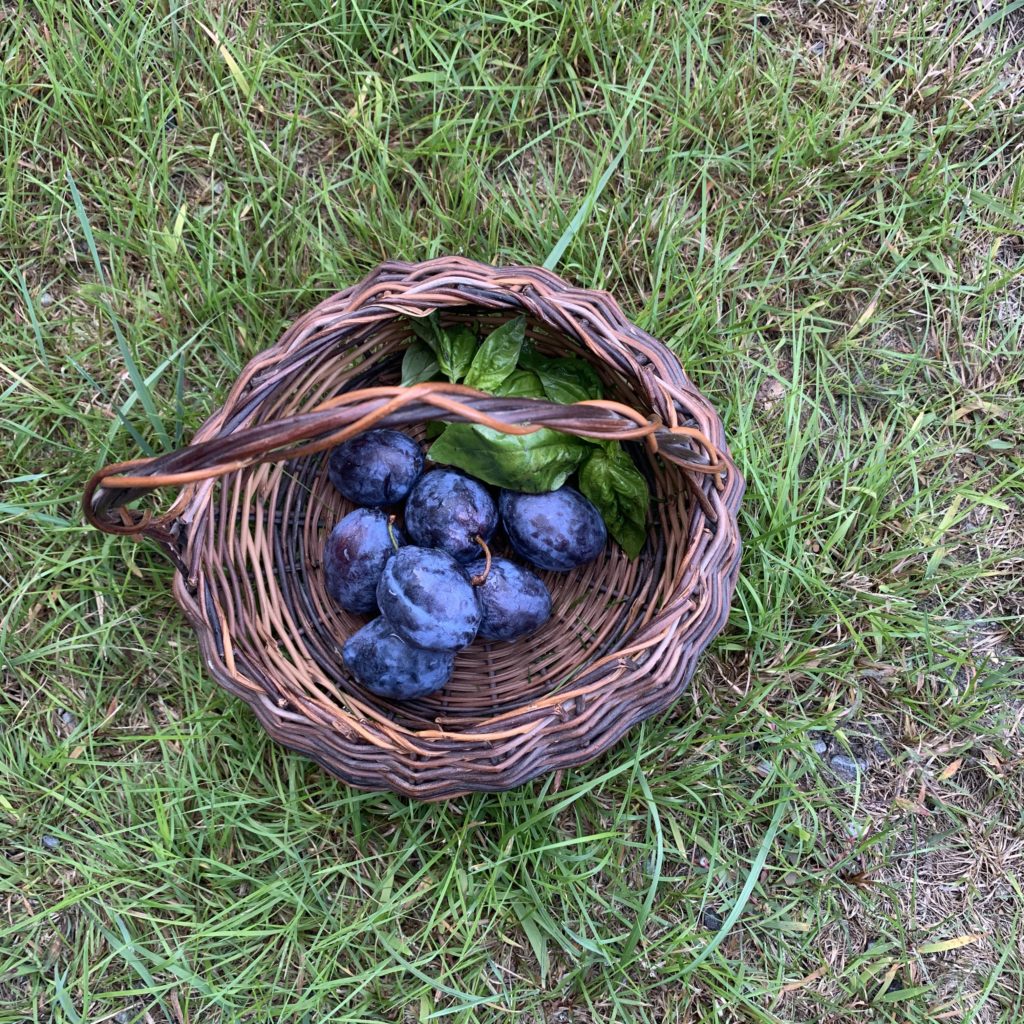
391, 531
481, 577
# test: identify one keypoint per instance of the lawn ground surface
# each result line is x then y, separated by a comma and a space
819, 207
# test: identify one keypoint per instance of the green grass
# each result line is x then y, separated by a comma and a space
819, 208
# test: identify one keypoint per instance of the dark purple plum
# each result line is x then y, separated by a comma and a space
513, 600
355, 555
558, 530
449, 510
427, 597
376, 468
389, 667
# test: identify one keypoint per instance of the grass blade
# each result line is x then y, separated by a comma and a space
581, 215
748, 888
142, 390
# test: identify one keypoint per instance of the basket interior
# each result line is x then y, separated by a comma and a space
271, 521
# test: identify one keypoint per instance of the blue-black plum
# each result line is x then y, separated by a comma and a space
557, 530
376, 468
389, 667
355, 555
448, 510
513, 600
427, 597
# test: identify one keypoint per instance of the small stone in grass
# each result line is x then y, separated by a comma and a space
877, 750
67, 719
122, 1017
846, 767
50, 842
711, 919
46, 299
819, 742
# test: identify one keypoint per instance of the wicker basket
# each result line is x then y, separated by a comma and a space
247, 529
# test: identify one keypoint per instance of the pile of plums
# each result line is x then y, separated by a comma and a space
433, 579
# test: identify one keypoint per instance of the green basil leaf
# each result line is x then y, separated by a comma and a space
521, 384
455, 349
497, 356
418, 364
566, 379
427, 329
618, 489
529, 357
541, 461
570, 380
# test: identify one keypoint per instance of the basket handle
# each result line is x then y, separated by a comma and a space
109, 491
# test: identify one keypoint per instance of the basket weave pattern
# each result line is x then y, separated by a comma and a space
254, 507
